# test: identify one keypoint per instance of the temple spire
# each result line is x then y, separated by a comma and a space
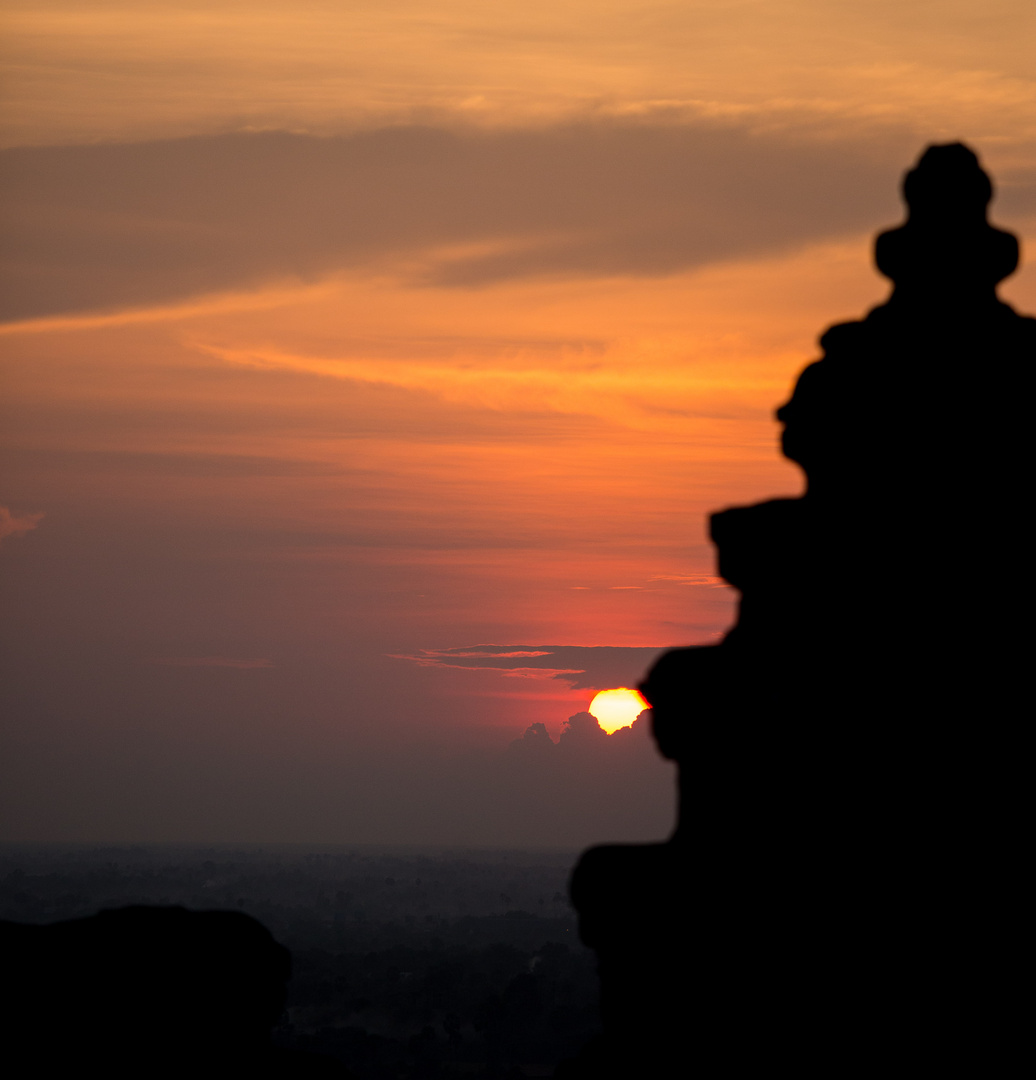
947, 248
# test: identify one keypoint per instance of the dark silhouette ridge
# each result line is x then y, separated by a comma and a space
407, 964
843, 893
148, 992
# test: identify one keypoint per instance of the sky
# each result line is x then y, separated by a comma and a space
369, 371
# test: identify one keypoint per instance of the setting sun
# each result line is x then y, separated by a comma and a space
616, 709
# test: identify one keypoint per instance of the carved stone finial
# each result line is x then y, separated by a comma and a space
947, 246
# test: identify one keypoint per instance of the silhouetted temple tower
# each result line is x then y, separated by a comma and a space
845, 890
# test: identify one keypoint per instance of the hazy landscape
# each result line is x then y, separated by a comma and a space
406, 962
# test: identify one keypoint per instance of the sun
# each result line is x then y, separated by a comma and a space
618, 708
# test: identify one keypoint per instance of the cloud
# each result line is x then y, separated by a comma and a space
581, 734
707, 580
102, 227
210, 661
17, 524
608, 787
169, 464
590, 667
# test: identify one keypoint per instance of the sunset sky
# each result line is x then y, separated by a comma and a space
340, 339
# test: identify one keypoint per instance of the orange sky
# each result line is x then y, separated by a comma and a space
339, 336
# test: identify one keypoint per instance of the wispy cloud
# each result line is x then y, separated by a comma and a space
706, 580
87, 73
591, 667
638, 385
210, 661
212, 304
17, 524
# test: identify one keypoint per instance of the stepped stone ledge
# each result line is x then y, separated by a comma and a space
845, 888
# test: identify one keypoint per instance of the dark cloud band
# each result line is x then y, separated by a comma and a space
109, 226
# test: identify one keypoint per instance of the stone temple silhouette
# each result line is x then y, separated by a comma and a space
845, 890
